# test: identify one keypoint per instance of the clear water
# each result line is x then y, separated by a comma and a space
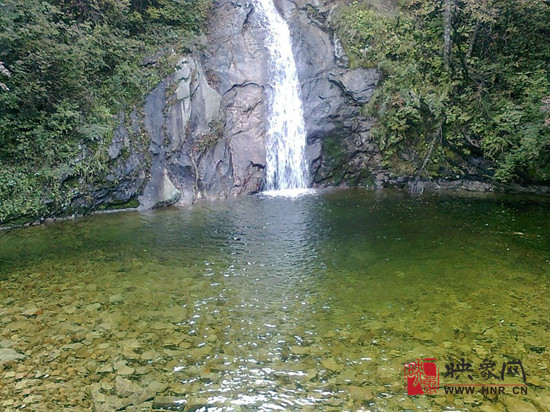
286, 167
268, 303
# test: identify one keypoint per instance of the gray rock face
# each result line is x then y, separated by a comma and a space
8, 354
236, 60
358, 84
332, 96
200, 133
207, 138
339, 149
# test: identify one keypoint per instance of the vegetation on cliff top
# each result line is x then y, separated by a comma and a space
67, 68
466, 86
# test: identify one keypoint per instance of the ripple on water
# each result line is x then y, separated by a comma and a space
272, 304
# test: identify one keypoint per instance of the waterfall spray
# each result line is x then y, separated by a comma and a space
286, 167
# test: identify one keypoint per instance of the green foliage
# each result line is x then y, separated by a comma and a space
209, 138
336, 159
67, 68
491, 101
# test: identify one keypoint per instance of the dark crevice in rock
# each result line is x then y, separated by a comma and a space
242, 85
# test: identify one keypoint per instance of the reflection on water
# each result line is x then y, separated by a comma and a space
276, 253
273, 303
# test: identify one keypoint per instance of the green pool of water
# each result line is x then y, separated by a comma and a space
313, 303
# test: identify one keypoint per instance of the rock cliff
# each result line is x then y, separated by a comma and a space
202, 129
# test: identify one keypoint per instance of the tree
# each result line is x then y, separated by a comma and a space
6, 73
68, 68
477, 105
448, 6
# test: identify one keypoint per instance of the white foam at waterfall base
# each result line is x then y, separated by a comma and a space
291, 193
286, 166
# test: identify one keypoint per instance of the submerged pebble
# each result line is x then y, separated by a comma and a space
325, 316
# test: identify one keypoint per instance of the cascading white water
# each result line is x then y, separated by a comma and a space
286, 136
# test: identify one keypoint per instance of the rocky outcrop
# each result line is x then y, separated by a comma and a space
341, 148
200, 133
205, 123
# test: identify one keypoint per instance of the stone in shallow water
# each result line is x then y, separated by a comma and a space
7, 355
200, 352
106, 385
105, 369
360, 393
125, 387
331, 364
178, 388
150, 355
98, 397
93, 307
542, 401
142, 370
21, 384
299, 350
348, 375
514, 404
176, 313
114, 299
171, 341
161, 326
130, 344
198, 405
130, 354
20, 375
123, 369
185, 345
169, 403
157, 386
112, 403
32, 312
111, 320
490, 408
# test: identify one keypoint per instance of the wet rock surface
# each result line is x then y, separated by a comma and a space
333, 95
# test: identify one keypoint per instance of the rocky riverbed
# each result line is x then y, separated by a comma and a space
183, 310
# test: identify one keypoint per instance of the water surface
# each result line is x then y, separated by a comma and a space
268, 303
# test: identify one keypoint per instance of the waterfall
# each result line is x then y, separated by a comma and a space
286, 167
